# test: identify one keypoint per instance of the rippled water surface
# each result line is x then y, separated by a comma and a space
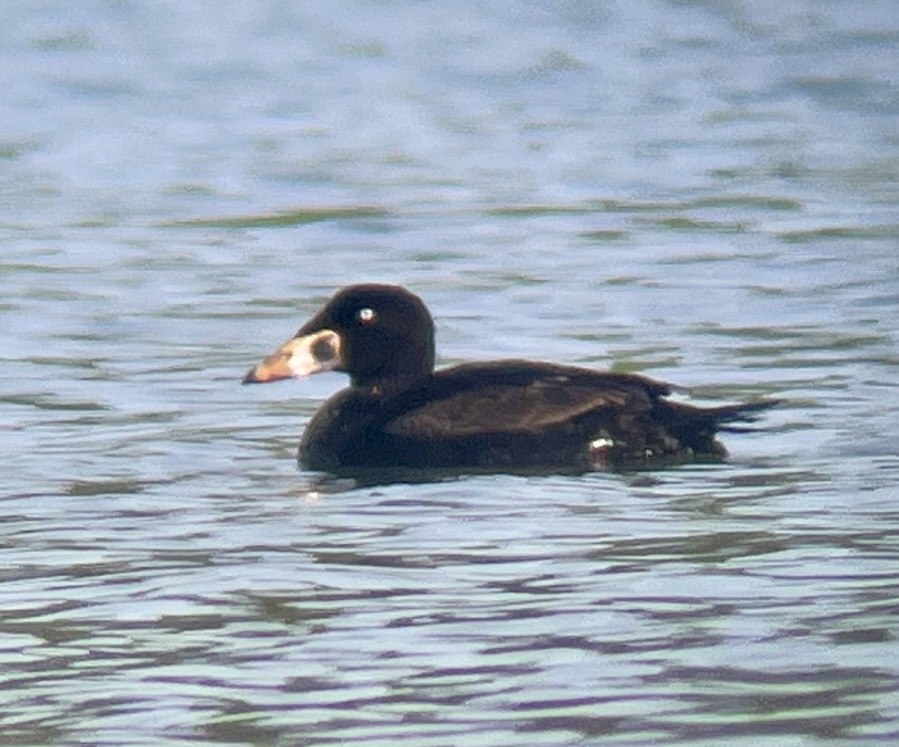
704, 192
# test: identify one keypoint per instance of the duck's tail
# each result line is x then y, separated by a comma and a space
695, 427
748, 412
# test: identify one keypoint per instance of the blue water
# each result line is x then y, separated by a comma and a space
704, 192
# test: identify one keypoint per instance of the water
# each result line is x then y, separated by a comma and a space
704, 192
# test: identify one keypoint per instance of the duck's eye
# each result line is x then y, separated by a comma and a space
366, 316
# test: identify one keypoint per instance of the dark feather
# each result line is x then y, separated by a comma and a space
511, 415
514, 397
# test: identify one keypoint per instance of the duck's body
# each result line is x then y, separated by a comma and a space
507, 415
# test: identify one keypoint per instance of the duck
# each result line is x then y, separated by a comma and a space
401, 413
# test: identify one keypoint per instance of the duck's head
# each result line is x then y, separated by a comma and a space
381, 335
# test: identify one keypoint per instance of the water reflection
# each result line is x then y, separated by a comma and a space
387, 612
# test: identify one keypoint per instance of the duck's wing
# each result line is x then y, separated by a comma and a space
516, 397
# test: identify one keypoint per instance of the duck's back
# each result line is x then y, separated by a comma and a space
515, 415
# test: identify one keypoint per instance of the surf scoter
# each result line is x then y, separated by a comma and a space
507, 415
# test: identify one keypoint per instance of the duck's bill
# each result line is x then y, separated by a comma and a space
298, 357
